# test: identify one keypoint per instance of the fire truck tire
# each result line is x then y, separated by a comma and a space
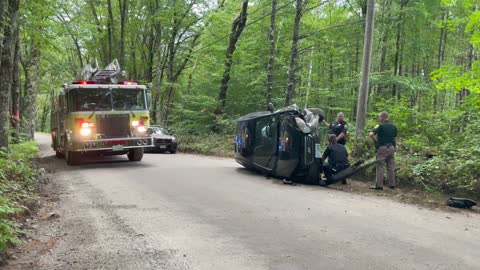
59, 154
135, 154
72, 158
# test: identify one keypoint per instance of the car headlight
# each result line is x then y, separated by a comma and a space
142, 129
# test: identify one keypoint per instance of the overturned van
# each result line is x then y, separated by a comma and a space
283, 143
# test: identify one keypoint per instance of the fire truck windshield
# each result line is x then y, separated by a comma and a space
128, 99
94, 99
89, 100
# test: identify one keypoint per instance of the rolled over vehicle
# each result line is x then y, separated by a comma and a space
283, 143
163, 141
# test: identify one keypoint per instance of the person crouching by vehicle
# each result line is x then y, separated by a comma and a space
385, 143
337, 156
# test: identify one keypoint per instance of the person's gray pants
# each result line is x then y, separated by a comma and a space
385, 156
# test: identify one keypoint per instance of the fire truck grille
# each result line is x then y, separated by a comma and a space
113, 125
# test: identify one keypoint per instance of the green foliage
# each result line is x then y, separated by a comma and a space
473, 27
432, 92
207, 144
17, 187
8, 229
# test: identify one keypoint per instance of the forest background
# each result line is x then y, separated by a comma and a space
211, 61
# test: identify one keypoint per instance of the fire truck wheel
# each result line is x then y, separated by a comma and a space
135, 154
73, 158
59, 154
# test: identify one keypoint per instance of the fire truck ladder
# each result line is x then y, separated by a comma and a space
109, 74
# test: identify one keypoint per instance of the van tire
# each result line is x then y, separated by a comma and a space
135, 154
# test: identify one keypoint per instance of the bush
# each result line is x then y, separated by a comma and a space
438, 154
8, 229
17, 187
207, 144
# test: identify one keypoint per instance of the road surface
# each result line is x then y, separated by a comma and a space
194, 212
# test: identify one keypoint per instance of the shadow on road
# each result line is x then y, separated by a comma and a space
55, 164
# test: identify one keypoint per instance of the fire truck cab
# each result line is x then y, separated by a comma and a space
101, 116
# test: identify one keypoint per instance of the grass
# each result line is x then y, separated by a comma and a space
17, 188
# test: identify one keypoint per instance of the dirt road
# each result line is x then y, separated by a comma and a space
191, 212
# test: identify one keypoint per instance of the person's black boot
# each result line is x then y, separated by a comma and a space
374, 187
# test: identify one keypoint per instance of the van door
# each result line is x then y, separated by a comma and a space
266, 141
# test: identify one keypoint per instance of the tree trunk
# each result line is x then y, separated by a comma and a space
46, 109
294, 53
104, 48
123, 4
384, 41
150, 56
309, 82
396, 65
441, 52
16, 85
364, 82
3, 24
7, 67
237, 28
271, 60
159, 68
190, 78
29, 100
111, 32
176, 75
78, 50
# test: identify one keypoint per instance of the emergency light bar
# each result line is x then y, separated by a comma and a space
95, 82
84, 82
128, 83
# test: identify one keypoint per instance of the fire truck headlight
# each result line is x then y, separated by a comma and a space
85, 132
142, 129
135, 123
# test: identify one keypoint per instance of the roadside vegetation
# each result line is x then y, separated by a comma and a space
18, 189
207, 144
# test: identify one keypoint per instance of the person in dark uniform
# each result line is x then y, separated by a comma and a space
339, 128
385, 142
337, 156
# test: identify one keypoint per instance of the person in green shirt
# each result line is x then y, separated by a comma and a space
384, 136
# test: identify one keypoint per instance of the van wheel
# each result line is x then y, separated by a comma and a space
135, 154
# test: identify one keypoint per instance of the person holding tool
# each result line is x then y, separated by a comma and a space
385, 143
339, 128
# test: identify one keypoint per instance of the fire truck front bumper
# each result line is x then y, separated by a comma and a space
114, 145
